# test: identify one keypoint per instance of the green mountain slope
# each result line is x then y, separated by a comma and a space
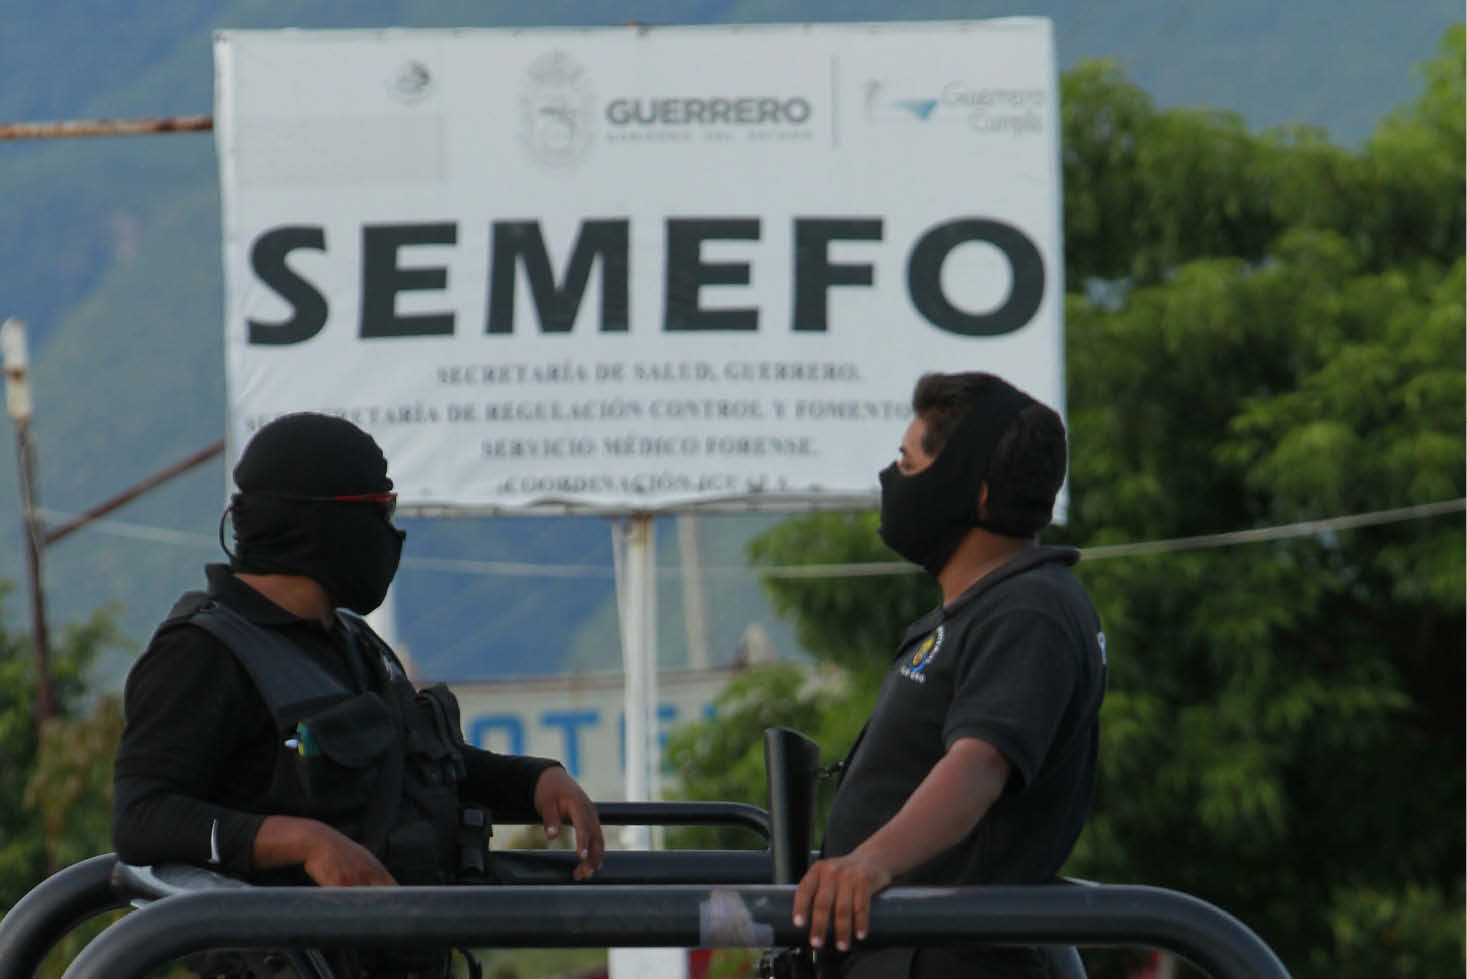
111, 253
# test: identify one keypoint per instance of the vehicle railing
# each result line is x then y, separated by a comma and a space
696, 898
685, 814
50, 910
666, 916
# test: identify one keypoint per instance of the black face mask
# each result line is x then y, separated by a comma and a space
925, 516
358, 554
351, 549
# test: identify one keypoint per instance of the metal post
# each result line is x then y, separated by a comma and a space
695, 618
75, 128
790, 764
18, 406
637, 593
637, 600
131, 493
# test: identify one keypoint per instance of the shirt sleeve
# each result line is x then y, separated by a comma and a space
187, 707
1015, 676
504, 783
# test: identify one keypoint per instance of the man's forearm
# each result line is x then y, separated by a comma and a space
328, 857
285, 841
944, 808
154, 823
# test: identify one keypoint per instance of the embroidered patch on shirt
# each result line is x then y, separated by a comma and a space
917, 662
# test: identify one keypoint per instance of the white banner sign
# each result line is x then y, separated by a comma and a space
636, 268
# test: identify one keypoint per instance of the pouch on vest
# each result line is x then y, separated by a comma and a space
423, 846
339, 751
435, 746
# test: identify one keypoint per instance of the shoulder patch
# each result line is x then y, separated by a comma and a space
917, 661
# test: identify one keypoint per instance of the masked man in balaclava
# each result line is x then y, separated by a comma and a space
272, 735
977, 765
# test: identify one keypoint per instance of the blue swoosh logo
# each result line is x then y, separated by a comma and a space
921, 108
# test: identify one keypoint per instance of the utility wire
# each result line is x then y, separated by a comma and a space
865, 569
510, 569
134, 531
1304, 528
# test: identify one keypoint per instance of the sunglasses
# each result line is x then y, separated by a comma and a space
387, 501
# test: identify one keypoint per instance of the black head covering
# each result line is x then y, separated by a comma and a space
286, 523
307, 454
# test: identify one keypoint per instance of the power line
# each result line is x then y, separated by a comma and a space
135, 531
1304, 528
510, 569
865, 569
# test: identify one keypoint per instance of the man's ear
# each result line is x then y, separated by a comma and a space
983, 500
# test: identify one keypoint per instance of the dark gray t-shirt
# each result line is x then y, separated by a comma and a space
1018, 661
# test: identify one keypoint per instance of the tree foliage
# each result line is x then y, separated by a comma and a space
1261, 329
55, 802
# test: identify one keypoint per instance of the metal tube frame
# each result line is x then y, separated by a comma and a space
740, 814
691, 899
49, 911
667, 916
707, 898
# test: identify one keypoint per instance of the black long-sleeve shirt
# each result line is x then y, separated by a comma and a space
199, 745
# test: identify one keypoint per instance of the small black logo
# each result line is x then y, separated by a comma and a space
412, 83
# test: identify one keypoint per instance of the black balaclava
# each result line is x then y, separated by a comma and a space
283, 526
925, 516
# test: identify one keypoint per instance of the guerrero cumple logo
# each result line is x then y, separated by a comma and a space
556, 110
1016, 111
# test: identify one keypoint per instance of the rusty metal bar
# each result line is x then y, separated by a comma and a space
133, 492
86, 128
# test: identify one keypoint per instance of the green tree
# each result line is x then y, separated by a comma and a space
54, 797
1261, 329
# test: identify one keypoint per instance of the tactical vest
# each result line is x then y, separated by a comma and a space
382, 766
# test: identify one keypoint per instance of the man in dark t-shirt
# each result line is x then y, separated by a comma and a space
978, 763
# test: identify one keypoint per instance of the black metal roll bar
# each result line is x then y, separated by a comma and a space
685, 814
542, 867
664, 916
50, 910
706, 898
53, 908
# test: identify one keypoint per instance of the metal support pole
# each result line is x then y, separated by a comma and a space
18, 405
637, 591
34, 533
695, 617
637, 600
76, 128
790, 764
133, 492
